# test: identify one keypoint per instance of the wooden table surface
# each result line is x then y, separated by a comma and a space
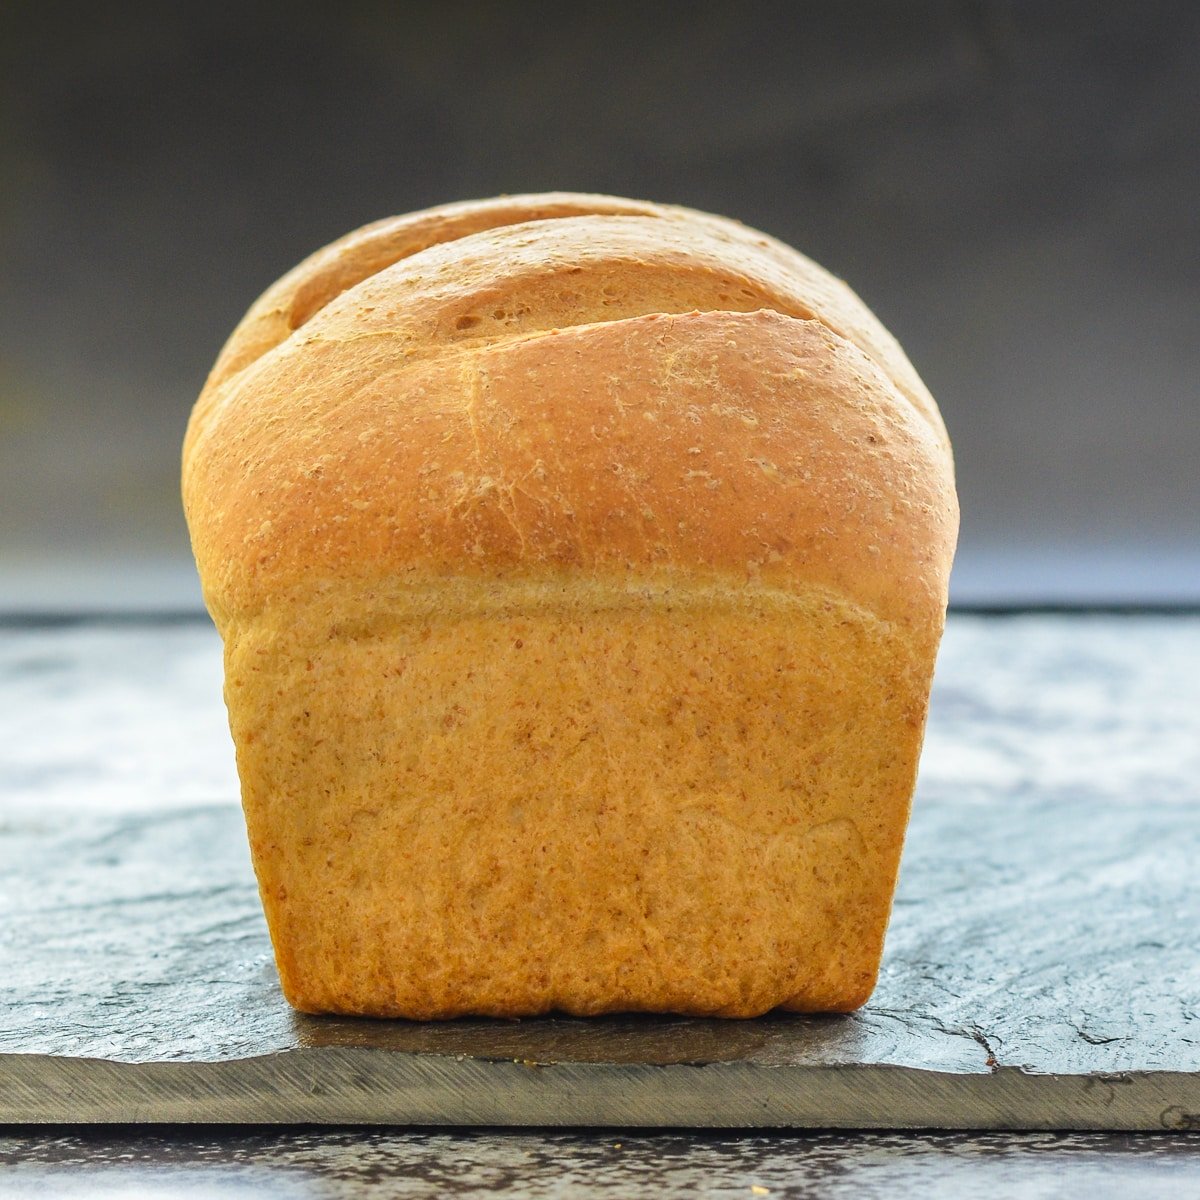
1042, 970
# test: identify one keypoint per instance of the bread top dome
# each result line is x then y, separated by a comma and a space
567, 388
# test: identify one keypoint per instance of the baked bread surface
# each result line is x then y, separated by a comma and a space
581, 565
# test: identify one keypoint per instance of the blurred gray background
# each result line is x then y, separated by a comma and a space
1014, 188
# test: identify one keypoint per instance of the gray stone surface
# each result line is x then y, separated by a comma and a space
332, 1164
1042, 969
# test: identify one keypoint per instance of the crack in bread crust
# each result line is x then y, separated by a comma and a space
293, 300
706, 263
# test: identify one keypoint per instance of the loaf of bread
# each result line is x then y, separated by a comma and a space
581, 565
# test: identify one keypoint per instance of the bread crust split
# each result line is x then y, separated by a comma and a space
581, 565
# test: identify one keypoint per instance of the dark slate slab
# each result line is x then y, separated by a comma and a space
1042, 969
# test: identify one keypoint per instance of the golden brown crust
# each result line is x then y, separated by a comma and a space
511, 799
631, 437
745, 444
429, 377
307, 288
669, 233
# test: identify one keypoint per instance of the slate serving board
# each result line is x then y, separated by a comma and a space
1042, 969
